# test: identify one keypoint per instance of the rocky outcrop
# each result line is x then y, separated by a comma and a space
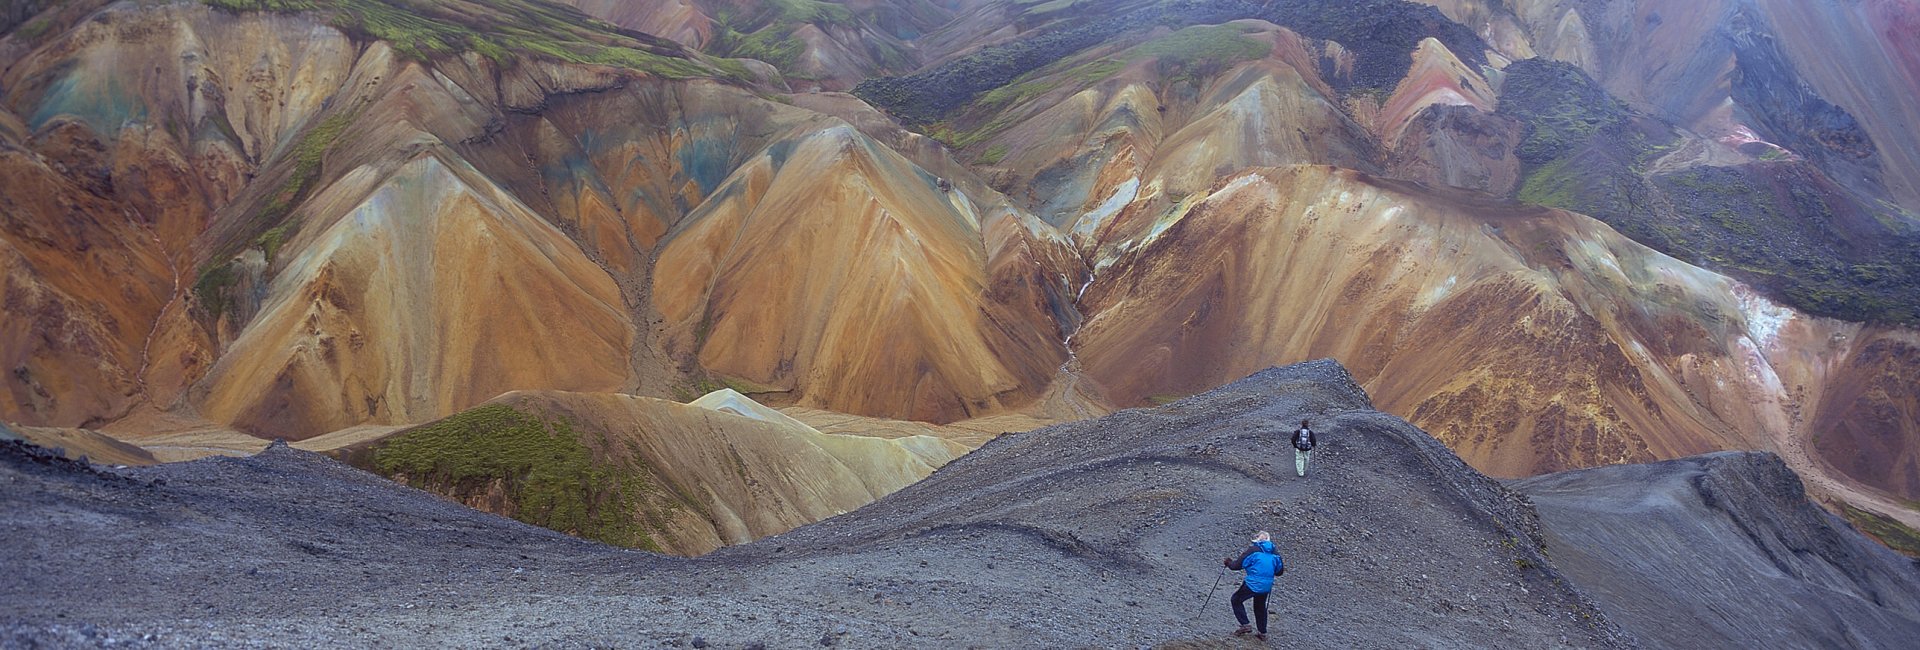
1816, 78
1454, 146
1666, 547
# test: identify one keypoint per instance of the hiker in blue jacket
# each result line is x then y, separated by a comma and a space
1262, 565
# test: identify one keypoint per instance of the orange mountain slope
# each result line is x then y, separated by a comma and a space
289, 224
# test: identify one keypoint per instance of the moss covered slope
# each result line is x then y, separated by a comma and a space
646, 473
535, 467
1778, 223
502, 30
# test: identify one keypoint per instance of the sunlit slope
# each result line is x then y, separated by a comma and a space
633, 471
197, 135
1141, 137
1145, 123
367, 237
1529, 340
1163, 109
98, 448
429, 295
291, 223
835, 271
122, 137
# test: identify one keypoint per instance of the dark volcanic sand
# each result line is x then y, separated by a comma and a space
1102, 533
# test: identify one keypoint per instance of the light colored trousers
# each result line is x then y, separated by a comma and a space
1300, 461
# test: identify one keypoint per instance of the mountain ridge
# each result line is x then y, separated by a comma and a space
217, 241
1390, 525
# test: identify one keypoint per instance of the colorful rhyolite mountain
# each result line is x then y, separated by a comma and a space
1553, 238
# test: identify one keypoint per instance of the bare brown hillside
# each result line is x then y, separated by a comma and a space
1555, 234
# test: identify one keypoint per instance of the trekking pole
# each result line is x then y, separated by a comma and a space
1216, 589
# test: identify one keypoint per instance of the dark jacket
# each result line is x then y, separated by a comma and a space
1262, 564
1303, 439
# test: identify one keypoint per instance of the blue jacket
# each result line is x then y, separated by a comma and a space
1262, 564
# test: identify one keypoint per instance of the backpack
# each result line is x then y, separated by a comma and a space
1303, 440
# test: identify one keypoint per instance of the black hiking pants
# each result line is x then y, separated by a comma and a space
1259, 607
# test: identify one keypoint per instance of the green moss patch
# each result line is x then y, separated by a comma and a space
270, 241
213, 289
695, 388
1780, 225
993, 155
1553, 184
1782, 233
1894, 534
34, 30
1562, 107
271, 221
773, 45
1205, 46
812, 11
765, 31
550, 477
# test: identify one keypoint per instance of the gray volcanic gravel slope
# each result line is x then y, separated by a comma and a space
1725, 551
1099, 533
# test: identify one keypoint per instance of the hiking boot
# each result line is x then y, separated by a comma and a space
1244, 629
1260, 635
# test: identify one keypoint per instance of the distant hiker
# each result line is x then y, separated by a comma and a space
1262, 565
1303, 443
